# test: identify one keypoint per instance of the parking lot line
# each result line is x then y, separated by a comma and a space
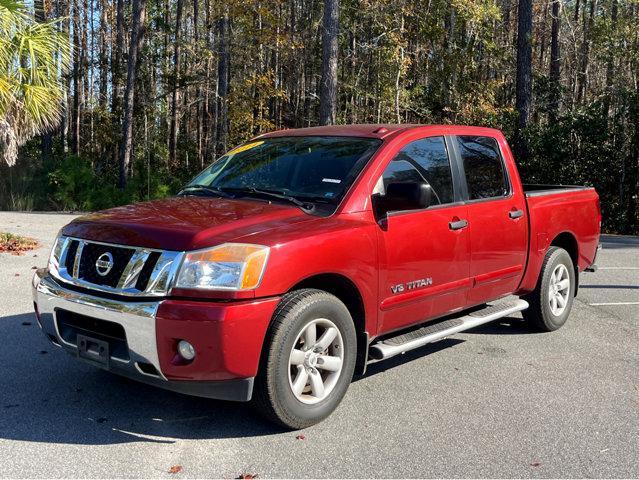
612, 303
618, 268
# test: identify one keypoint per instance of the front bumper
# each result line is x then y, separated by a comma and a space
227, 337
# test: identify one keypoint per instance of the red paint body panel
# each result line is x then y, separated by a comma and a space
417, 245
227, 338
183, 223
344, 244
576, 213
499, 243
495, 256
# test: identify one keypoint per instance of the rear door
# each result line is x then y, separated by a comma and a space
424, 254
497, 219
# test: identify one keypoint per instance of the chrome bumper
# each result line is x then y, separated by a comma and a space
136, 318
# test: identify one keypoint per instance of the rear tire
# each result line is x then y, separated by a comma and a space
309, 359
551, 301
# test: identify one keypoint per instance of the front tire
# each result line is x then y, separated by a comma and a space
309, 359
551, 301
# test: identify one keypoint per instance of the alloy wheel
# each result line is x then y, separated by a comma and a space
315, 362
559, 289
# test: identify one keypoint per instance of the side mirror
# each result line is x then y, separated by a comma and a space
406, 196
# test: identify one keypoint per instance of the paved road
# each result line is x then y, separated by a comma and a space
495, 402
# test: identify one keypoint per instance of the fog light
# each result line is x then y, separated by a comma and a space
186, 350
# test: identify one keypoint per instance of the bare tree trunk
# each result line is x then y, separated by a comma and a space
62, 10
542, 35
524, 74
198, 88
173, 127
137, 39
328, 88
103, 60
223, 74
77, 71
450, 80
46, 140
116, 60
610, 66
206, 105
398, 76
555, 60
585, 52
116, 76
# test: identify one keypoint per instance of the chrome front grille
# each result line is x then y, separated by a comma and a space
116, 269
90, 254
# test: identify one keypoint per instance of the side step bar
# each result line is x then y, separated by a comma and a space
431, 333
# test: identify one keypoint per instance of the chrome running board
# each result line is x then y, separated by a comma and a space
390, 347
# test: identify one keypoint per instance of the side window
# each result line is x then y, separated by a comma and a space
399, 171
424, 160
485, 175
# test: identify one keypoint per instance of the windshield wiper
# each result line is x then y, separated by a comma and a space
205, 188
274, 194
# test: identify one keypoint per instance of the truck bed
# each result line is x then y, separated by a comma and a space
536, 190
571, 212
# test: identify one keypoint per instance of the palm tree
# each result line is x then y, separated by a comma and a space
33, 58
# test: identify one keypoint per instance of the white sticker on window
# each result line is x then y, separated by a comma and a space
331, 180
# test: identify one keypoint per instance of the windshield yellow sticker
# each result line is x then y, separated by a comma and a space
244, 148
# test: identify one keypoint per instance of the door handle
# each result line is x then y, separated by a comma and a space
458, 225
516, 214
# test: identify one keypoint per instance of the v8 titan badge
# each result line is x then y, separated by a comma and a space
415, 284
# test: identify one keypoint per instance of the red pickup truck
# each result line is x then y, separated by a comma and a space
295, 260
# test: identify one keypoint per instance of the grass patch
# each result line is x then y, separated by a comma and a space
16, 244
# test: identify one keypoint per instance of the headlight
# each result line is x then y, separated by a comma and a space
54, 257
231, 266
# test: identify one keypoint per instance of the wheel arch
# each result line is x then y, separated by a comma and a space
347, 292
568, 242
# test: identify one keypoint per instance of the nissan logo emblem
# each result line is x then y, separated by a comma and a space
104, 264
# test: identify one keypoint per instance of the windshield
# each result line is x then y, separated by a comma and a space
315, 169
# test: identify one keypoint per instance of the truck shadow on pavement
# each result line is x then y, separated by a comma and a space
503, 326
48, 396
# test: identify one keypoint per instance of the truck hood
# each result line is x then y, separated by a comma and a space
184, 223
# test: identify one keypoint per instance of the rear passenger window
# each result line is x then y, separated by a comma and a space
424, 160
484, 168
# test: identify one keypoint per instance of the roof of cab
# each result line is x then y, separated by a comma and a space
356, 130
376, 130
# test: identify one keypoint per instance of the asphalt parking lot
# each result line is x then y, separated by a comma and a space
498, 401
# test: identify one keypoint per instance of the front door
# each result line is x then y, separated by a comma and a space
424, 254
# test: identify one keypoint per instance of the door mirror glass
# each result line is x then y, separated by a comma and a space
404, 196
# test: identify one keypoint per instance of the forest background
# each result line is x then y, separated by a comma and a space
152, 91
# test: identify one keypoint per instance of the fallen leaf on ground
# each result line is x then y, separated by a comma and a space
175, 469
300, 437
16, 244
243, 476
16, 274
535, 464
